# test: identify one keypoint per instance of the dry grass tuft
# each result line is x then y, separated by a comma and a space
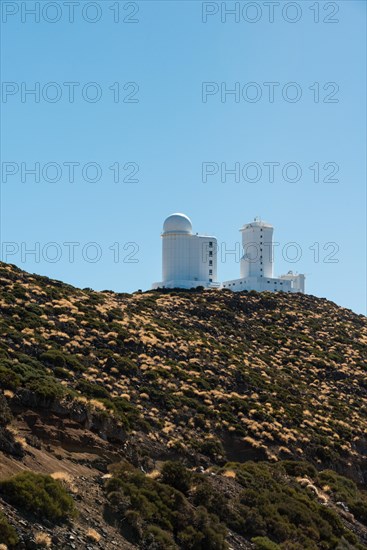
229, 473
21, 440
154, 474
43, 540
93, 535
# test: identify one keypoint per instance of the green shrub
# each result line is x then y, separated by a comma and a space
274, 506
205, 495
92, 390
263, 543
6, 415
161, 515
346, 491
39, 494
211, 531
296, 468
212, 448
56, 358
60, 372
29, 374
46, 387
359, 508
8, 379
8, 534
124, 365
159, 539
3, 354
128, 414
176, 475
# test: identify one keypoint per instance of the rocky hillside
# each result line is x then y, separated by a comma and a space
180, 419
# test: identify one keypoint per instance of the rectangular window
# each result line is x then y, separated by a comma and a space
210, 253
210, 272
210, 244
210, 262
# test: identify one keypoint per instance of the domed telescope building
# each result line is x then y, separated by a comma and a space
188, 260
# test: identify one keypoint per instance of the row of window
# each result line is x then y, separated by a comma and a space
245, 282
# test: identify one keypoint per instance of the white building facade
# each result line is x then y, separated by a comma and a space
257, 263
190, 260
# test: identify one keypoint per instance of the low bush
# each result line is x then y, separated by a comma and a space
39, 494
128, 414
8, 379
56, 358
30, 375
159, 515
346, 491
124, 365
212, 448
46, 388
62, 373
158, 539
6, 415
263, 543
92, 390
176, 475
273, 510
8, 534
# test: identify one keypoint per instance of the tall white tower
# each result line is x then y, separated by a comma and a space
257, 243
188, 260
257, 263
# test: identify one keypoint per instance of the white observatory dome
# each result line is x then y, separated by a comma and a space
177, 223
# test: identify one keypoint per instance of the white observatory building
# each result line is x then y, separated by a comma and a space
188, 260
257, 262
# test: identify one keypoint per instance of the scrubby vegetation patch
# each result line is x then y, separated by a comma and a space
39, 494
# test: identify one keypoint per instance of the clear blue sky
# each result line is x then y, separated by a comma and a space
170, 132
